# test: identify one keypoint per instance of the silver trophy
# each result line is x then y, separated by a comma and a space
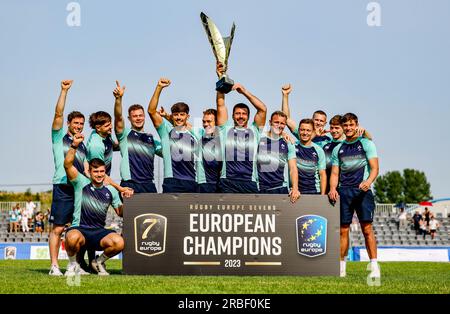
221, 48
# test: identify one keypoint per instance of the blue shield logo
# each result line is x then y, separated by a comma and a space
311, 235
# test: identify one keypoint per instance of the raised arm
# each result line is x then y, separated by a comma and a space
119, 122
285, 91
222, 113
261, 109
71, 171
58, 119
153, 105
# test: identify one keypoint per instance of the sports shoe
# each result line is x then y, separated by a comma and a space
72, 270
99, 267
375, 272
82, 272
54, 271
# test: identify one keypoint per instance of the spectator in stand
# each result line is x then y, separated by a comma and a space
355, 223
417, 218
39, 223
24, 220
14, 214
426, 214
45, 220
402, 219
30, 208
423, 228
434, 225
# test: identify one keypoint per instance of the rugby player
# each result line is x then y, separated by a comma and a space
179, 144
92, 200
274, 154
311, 161
354, 169
239, 141
137, 147
63, 194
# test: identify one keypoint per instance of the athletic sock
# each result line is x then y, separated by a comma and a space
343, 264
73, 259
374, 263
102, 258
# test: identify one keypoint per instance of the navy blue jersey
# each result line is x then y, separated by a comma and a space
352, 158
310, 160
273, 157
138, 151
60, 145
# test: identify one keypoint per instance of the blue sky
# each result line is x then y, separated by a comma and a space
394, 77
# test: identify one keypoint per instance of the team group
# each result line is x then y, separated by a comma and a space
224, 156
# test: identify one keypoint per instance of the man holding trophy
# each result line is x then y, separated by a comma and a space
239, 142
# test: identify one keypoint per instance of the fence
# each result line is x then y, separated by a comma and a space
7, 206
386, 209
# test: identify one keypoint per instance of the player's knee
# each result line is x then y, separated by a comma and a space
57, 230
366, 229
118, 243
72, 238
344, 230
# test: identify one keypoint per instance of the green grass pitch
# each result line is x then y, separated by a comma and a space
24, 276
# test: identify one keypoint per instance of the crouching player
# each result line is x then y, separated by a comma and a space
92, 200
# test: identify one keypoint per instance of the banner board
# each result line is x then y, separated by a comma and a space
230, 234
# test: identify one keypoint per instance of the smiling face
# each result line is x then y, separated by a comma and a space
320, 121
277, 124
97, 174
180, 118
105, 129
209, 123
76, 125
137, 119
306, 131
349, 128
240, 117
336, 131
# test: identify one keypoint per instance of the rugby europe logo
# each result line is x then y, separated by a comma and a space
150, 234
311, 235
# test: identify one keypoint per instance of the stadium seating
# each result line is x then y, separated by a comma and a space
112, 221
387, 233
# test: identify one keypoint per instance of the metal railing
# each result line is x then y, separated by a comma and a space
7, 206
386, 209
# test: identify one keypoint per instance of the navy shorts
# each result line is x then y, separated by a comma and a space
172, 185
144, 187
208, 188
281, 190
354, 199
92, 237
238, 186
62, 204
